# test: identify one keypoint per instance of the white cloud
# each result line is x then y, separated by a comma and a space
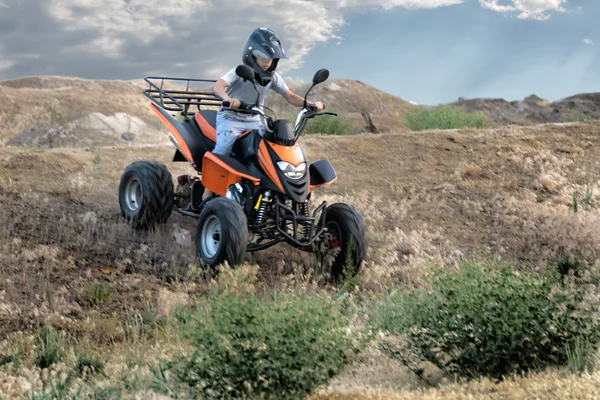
588, 41
389, 4
5, 63
216, 29
196, 38
526, 9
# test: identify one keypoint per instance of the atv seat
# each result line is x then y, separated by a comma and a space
207, 122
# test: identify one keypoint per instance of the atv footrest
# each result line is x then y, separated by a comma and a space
307, 227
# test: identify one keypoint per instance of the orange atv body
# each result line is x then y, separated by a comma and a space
261, 192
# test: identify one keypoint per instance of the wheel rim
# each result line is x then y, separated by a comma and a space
133, 194
334, 229
210, 238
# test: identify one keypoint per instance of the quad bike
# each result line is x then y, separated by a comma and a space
261, 192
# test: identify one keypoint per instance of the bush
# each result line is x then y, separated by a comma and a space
275, 348
444, 117
484, 321
328, 125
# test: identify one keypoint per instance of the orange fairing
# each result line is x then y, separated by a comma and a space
267, 164
217, 176
292, 154
208, 131
183, 148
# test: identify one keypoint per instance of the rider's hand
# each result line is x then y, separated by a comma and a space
234, 103
319, 105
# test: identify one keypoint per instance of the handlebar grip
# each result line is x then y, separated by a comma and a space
311, 107
243, 105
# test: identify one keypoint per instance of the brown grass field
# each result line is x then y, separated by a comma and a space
68, 261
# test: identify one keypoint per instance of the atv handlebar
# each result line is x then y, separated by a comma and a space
249, 107
310, 111
243, 106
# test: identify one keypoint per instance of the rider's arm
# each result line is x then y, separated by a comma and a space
293, 98
298, 101
219, 89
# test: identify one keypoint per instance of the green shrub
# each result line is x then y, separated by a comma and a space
48, 348
328, 125
444, 117
97, 292
492, 321
281, 347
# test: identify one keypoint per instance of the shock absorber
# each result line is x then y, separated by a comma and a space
261, 208
303, 210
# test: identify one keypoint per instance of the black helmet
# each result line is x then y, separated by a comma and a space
262, 42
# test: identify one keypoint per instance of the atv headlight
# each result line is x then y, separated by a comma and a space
290, 171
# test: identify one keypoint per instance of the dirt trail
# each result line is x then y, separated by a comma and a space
440, 194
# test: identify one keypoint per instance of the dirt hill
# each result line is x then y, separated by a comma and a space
437, 196
535, 110
64, 111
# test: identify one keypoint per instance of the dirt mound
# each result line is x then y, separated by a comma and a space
35, 108
535, 110
95, 129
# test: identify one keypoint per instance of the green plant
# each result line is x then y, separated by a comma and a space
48, 348
444, 117
492, 321
581, 357
275, 347
97, 292
587, 199
328, 125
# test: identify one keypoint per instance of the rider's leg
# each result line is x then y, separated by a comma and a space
228, 129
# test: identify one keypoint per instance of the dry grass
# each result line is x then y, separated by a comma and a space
549, 385
429, 198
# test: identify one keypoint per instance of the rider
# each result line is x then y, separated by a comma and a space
262, 52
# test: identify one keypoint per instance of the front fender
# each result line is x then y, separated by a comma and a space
321, 173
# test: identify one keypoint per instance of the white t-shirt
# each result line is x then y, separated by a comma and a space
244, 91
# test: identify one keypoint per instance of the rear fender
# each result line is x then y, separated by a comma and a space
321, 173
219, 172
187, 140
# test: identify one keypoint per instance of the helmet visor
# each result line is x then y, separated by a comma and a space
262, 54
270, 50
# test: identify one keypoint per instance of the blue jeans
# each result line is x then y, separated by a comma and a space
228, 130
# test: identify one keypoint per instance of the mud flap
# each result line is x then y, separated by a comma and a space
178, 157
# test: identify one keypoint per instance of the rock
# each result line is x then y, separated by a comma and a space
182, 237
128, 137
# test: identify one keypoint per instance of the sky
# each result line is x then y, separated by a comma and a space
426, 51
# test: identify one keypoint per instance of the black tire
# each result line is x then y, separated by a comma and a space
228, 217
152, 202
347, 225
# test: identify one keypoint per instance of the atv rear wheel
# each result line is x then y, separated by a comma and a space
222, 233
348, 233
146, 194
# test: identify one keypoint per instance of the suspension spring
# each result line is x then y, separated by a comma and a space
303, 210
262, 208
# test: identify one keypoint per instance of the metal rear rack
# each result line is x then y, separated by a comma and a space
181, 100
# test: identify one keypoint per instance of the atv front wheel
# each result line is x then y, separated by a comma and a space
222, 233
146, 194
348, 232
